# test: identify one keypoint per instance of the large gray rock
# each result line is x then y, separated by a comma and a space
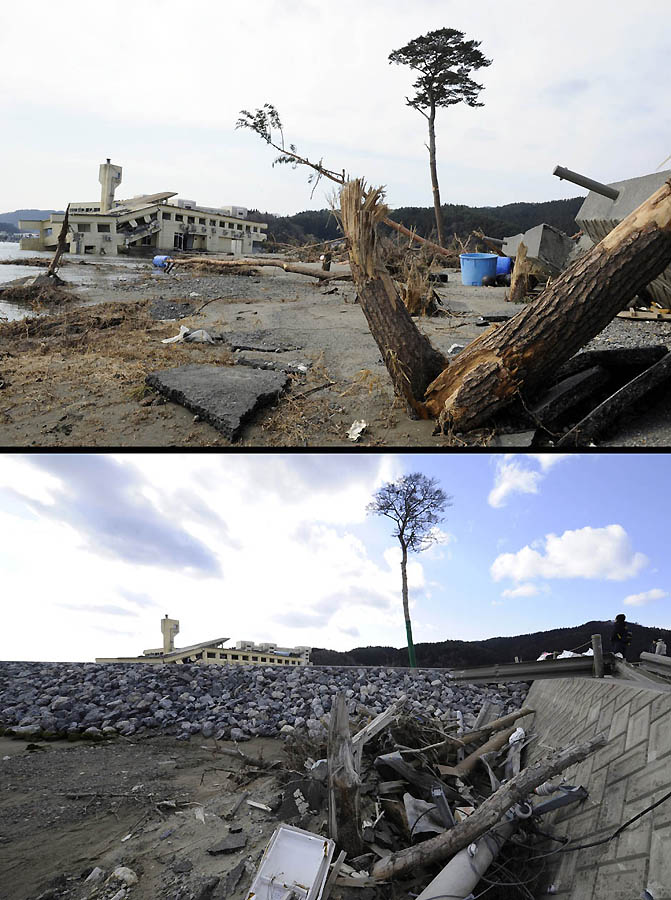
223, 396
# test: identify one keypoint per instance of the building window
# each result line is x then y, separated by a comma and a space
48, 232
153, 217
247, 228
234, 655
213, 221
166, 217
263, 659
140, 220
239, 227
179, 218
211, 655
201, 221
255, 228
191, 220
246, 658
83, 227
255, 659
103, 229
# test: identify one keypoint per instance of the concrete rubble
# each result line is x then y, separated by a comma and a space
222, 396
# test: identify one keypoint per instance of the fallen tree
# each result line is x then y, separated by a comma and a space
506, 363
295, 268
519, 356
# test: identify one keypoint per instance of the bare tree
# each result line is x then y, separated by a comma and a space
415, 504
444, 61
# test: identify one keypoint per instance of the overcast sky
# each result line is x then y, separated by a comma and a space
157, 86
96, 549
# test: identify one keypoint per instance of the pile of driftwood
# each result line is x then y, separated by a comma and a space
421, 807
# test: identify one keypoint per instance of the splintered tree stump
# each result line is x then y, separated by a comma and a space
344, 782
412, 362
523, 354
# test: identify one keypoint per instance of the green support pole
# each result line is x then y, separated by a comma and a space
411, 646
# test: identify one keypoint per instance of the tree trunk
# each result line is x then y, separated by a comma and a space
434, 176
486, 815
406, 607
344, 782
520, 355
257, 263
415, 237
60, 249
408, 355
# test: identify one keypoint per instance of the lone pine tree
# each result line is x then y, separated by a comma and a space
444, 61
415, 504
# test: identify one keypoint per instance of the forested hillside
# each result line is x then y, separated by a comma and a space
450, 654
496, 221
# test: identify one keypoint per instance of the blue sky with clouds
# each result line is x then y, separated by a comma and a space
96, 548
157, 86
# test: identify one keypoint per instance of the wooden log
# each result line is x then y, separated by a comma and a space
415, 237
605, 413
519, 280
344, 782
523, 353
60, 249
408, 355
485, 816
597, 648
497, 725
496, 742
294, 268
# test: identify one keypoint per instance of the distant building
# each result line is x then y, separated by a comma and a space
157, 221
244, 653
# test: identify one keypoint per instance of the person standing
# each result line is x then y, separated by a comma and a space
621, 636
660, 647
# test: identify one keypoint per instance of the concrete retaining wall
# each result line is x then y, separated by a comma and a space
626, 776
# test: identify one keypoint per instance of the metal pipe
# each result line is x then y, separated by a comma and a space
497, 242
582, 180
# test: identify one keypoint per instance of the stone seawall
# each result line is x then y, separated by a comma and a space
226, 702
625, 777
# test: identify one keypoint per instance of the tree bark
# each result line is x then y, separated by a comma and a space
344, 782
485, 816
406, 606
434, 175
520, 355
408, 355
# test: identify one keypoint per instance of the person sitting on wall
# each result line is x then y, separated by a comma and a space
621, 636
660, 647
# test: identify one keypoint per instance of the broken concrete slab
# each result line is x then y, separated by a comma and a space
599, 215
225, 397
547, 247
568, 394
296, 367
264, 342
230, 844
170, 309
519, 439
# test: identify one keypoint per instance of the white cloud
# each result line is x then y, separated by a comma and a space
526, 589
584, 553
512, 478
645, 597
548, 460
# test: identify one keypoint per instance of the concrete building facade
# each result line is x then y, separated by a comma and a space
157, 221
214, 652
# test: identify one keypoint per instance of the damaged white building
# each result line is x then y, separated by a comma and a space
157, 221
